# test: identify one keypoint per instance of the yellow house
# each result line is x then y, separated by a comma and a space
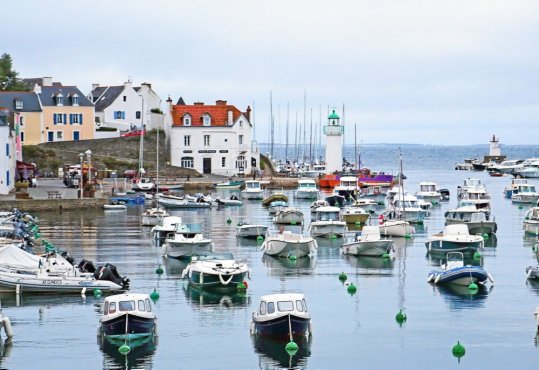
24, 106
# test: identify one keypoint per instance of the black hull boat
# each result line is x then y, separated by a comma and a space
129, 326
279, 327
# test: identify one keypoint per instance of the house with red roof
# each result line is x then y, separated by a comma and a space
212, 139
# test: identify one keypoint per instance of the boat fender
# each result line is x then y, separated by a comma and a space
252, 328
7, 326
530, 272
437, 279
430, 278
490, 278
310, 328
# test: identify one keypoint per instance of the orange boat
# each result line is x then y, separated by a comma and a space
329, 181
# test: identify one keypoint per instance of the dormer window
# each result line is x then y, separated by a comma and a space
74, 100
187, 120
206, 120
18, 104
59, 99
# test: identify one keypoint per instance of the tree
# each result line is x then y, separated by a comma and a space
9, 79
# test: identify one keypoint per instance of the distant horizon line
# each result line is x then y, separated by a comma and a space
401, 144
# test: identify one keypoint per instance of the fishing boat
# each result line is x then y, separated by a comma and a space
128, 316
317, 204
531, 221
329, 181
286, 244
274, 197
277, 206
253, 190
455, 272
530, 170
454, 238
396, 227
54, 273
376, 193
288, 216
347, 188
478, 222
525, 193
186, 242
515, 183
405, 207
327, 223
375, 179
233, 200
428, 192
230, 184
167, 225
336, 200
216, 271
368, 243
245, 229
153, 216
367, 204
282, 315
306, 189
355, 215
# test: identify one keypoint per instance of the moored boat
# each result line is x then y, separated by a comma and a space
428, 192
525, 193
531, 221
368, 243
230, 184
455, 272
186, 242
355, 215
277, 196
253, 190
454, 238
245, 229
327, 223
153, 216
397, 227
286, 244
478, 222
288, 216
306, 189
166, 226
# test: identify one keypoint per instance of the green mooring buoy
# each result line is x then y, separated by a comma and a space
473, 286
458, 350
351, 289
241, 286
159, 270
124, 349
291, 348
407, 236
228, 221
485, 236
476, 255
385, 255
259, 238
97, 293
400, 317
155, 295
342, 276
292, 257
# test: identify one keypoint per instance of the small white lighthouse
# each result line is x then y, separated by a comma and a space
495, 150
333, 131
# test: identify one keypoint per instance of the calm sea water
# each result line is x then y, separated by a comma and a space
204, 331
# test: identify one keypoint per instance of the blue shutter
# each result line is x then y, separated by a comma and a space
7, 176
55, 118
65, 119
7, 149
123, 115
70, 119
80, 119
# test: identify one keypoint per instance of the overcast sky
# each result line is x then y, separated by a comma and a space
407, 71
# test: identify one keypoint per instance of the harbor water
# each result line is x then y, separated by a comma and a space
198, 330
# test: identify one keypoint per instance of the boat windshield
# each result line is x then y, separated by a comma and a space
253, 185
126, 306
328, 216
285, 306
527, 189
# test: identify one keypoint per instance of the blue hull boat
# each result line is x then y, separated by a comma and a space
454, 272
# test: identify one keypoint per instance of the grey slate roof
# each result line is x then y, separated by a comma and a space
48, 92
180, 101
103, 96
30, 102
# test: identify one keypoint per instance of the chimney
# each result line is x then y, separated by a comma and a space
198, 103
145, 84
47, 81
94, 86
220, 102
230, 118
37, 88
128, 84
249, 114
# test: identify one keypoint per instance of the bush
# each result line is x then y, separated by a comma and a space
156, 110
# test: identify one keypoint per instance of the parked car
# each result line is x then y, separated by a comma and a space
130, 174
133, 133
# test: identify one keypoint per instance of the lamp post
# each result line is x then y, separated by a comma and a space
81, 156
89, 157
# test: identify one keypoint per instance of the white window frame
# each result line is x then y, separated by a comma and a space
240, 139
18, 104
59, 135
206, 120
75, 100
75, 118
187, 120
60, 119
207, 140
187, 140
59, 100
187, 162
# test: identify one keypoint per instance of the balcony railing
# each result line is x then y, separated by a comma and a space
333, 130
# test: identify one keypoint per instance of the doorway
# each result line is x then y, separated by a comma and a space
206, 166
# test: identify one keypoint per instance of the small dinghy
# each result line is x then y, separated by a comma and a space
128, 316
282, 316
286, 244
115, 206
532, 272
232, 201
245, 229
289, 216
455, 272
216, 271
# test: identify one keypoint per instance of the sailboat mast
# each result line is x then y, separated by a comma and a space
271, 124
355, 155
157, 166
304, 122
287, 124
296, 153
311, 140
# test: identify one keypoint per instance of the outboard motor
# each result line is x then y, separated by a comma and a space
68, 258
109, 272
86, 266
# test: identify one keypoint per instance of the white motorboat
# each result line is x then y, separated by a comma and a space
367, 204
187, 241
508, 190
531, 221
233, 200
475, 196
469, 183
114, 207
406, 207
143, 184
454, 238
478, 222
507, 166
525, 193
397, 227
376, 193
277, 206
282, 315
315, 172
327, 223
347, 187
286, 244
428, 192
52, 273
166, 226
173, 201
368, 243
128, 316
306, 189
153, 216
253, 190
216, 271
289, 216
245, 229
317, 204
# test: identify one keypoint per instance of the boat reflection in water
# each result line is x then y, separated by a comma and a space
370, 265
532, 284
202, 297
281, 266
174, 266
460, 297
328, 247
140, 356
5, 349
272, 352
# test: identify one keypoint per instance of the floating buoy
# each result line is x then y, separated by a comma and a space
37, 235
485, 236
357, 223
458, 350
292, 257
473, 286
228, 221
476, 255
342, 276
159, 270
97, 292
293, 223
291, 347
333, 236
351, 288
124, 349
420, 222
385, 255
259, 238
520, 207
155, 295
400, 317
407, 236
241, 286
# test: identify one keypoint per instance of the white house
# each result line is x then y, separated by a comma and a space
216, 139
123, 107
7, 153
